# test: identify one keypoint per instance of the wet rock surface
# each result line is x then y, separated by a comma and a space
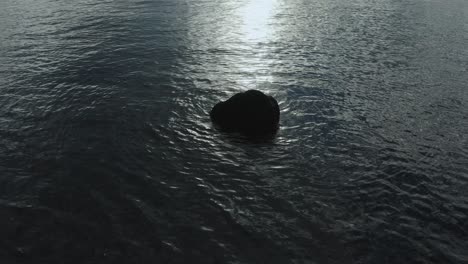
251, 113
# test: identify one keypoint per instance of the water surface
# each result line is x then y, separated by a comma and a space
107, 153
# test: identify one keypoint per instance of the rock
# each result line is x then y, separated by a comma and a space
251, 113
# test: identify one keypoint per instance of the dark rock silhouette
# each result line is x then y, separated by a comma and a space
251, 113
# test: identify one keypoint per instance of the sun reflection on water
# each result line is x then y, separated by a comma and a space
256, 18
240, 41
256, 35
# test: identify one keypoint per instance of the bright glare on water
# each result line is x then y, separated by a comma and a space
108, 155
257, 19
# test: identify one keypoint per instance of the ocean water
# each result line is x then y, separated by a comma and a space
107, 153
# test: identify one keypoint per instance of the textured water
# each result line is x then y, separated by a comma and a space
107, 153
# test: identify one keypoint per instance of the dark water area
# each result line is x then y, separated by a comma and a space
108, 155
